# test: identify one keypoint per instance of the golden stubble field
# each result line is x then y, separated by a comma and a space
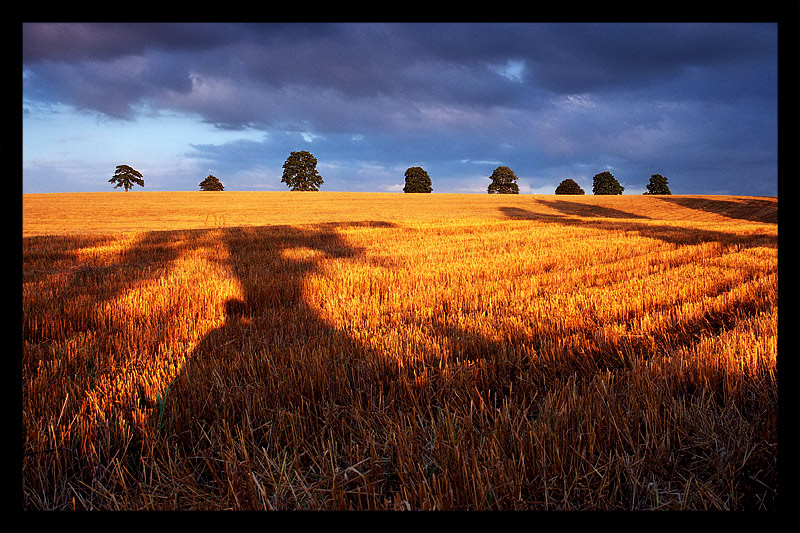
247, 350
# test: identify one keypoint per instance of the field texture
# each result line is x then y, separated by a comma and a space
386, 351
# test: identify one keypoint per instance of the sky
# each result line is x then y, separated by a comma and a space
695, 102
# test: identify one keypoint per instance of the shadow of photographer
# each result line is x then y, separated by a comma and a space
275, 377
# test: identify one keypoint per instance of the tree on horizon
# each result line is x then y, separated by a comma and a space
300, 172
504, 181
606, 183
417, 180
211, 183
127, 177
569, 186
658, 185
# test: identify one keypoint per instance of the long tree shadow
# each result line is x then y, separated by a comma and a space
685, 332
673, 234
84, 281
103, 278
66, 323
587, 210
90, 279
751, 209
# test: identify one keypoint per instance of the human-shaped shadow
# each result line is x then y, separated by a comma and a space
275, 368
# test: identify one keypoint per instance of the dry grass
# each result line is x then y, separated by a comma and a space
112, 212
379, 351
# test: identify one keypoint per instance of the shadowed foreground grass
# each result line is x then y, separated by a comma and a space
534, 353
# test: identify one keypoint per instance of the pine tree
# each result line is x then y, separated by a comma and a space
126, 176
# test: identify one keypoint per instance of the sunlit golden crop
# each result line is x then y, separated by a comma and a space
388, 351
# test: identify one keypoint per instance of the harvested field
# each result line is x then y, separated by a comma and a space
54, 214
306, 351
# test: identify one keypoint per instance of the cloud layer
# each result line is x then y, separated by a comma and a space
695, 102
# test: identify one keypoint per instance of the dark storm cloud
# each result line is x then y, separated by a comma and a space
77, 42
538, 94
453, 64
587, 58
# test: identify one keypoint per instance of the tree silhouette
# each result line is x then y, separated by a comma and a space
417, 180
658, 185
211, 183
606, 183
504, 181
300, 172
126, 176
569, 186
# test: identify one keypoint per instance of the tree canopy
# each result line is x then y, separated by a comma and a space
658, 185
504, 181
569, 186
211, 183
127, 177
417, 180
300, 172
606, 183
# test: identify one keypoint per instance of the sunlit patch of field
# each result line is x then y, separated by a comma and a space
52, 214
389, 351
